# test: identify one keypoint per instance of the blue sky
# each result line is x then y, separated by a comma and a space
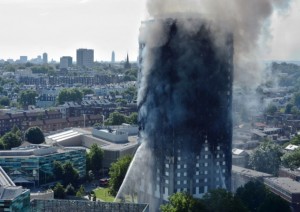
59, 27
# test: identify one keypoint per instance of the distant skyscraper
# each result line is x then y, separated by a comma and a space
127, 63
65, 62
113, 59
45, 58
23, 59
85, 58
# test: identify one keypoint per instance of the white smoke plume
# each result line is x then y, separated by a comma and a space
247, 20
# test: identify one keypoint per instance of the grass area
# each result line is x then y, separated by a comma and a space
103, 194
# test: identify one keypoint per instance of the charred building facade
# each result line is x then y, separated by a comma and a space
185, 97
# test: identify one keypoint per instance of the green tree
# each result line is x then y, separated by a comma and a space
10, 140
80, 192
274, 203
95, 158
257, 198
27, 98
116, 118
70, 175
59, 191
133, 118
69, 95
117, 173
291, 159
252, 195
266, 158
220, 200
295, 140
86, 91
271, 109
4, 101
183, 202
130, 93
295, 110
15, 130
10, 68
288, 108
58, 170
296, 99
122, 102
34, 135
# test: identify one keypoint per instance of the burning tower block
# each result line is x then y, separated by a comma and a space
185, 95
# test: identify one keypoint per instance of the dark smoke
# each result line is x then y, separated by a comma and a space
247, 20
185, 102
185, 88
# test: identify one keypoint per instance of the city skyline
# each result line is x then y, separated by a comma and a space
58, 28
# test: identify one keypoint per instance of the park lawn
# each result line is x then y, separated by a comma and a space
103, 194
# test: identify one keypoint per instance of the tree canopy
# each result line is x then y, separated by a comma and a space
296, 99
69, 95
117, 173
257, 198
291, 159
115, 118
132, 118
86, 91
252, 194
70, 174
183, 202
220, 200
27, 98
271, 109
4, 101
59, 191
58, 170
10, 140
95, 157
65, 172
266, 158
34, 135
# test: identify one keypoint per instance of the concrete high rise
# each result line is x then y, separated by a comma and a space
45, 58
185, 95
23, 59
85, 58
113, 57
65, 62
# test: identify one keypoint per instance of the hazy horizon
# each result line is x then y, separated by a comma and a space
59, 27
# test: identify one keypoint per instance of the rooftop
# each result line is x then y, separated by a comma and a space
285, 183
249, 172
291, 147
34, 150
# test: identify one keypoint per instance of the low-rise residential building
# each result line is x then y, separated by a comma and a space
20, 119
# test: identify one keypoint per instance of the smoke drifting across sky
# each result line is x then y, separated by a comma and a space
248, 21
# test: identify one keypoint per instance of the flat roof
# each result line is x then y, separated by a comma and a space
249, 172
284, 183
